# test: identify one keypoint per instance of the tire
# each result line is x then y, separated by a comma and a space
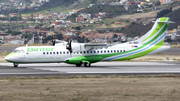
78, 65
87, 64
15, 66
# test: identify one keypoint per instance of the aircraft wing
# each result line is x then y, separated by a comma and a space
95, 46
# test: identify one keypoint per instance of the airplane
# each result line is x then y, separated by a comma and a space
87, 53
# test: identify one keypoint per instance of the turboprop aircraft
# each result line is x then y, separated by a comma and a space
85, 53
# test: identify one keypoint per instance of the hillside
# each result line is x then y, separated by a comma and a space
139, 30
52, 6
112, 10
175, 17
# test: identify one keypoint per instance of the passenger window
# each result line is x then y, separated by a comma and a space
84, 52
63, 52
60, 52
90, 51
50, 52
77, 52
135, 42
121, 50
57, 52
87, 51
108, 51
101, 51
54, 52
81, 52
94, 51
67, 52
117, 51
22, 51
97, 51
43, 52
114, 51
47, 52
124, 51
111, 51
104, 51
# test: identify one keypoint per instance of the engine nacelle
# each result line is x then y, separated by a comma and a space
79, 47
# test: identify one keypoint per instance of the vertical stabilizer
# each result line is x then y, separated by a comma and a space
157, 32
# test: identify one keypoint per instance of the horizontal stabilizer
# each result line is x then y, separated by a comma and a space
164, 22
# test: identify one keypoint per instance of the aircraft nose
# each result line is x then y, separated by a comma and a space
8, 58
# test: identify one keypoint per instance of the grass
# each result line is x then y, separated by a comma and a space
175, 46
58, 8
90, 88
2, 56
110, 21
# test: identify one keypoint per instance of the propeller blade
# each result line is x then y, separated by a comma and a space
53, 42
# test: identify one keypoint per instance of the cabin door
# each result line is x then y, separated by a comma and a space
130, 51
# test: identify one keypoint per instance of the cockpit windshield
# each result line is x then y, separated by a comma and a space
18, 51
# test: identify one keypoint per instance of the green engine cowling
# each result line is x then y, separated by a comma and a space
77, 60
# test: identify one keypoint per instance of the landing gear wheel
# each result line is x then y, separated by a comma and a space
15, 64
87, 64
78, 65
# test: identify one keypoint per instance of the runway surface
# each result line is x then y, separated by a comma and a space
100, 68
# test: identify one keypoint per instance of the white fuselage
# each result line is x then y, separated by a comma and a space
48, 54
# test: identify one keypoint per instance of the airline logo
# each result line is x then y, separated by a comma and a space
31, 49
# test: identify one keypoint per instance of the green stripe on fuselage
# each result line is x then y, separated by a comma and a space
160, 44
11, 54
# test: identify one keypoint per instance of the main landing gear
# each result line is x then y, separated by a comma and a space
86, 64
78, 65
15, 65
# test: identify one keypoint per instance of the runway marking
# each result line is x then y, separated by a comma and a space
31, 73
124, 72
97, 68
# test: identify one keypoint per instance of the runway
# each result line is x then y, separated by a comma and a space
100, 68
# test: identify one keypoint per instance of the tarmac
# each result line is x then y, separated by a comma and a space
100, 68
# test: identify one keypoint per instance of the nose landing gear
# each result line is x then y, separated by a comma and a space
15, 64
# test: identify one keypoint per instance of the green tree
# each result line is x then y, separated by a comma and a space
157, 3
27, 37
19, 17
115, 36
164, 12
14, 33
92, 1
59, 36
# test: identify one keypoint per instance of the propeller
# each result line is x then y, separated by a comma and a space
69, 46
53, 41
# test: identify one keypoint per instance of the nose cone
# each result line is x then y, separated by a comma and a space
9, 57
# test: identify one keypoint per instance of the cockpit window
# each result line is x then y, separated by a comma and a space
18, 51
